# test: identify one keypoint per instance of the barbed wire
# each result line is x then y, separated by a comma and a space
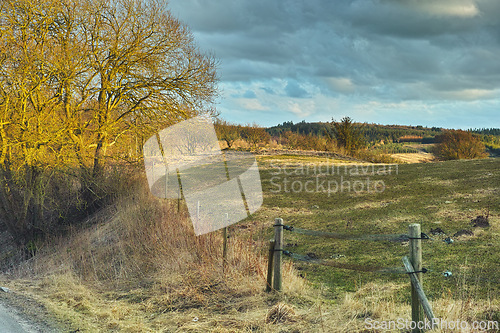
335, 235
387, 270
450, 273
445, 273
353, 267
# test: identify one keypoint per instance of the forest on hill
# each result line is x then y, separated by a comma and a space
376, 133
372, 132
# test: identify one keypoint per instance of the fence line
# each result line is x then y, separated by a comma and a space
386, 237
353, 267
413, 266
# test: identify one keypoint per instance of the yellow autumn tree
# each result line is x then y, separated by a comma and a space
76, 77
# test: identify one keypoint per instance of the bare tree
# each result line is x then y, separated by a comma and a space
227, 132
255, 134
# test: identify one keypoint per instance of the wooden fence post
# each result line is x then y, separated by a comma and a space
278, 247
224, 250
224, 244
416, 261
269, 285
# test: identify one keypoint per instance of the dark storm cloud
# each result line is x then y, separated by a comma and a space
390, 50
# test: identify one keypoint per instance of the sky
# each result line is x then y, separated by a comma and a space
408, 62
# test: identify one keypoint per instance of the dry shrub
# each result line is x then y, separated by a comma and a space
145, 242
294, 140
458, 144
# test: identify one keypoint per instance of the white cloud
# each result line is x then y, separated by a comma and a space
251, 104
301, 110
467, 94
340, 84
451, 8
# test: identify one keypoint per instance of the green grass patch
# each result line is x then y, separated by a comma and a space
446, 195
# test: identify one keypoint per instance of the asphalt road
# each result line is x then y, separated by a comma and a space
9, 323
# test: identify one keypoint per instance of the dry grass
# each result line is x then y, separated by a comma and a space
140, 268
414, 157
280, 313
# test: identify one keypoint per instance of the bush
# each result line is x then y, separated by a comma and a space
293, 140
374, 156
458, 144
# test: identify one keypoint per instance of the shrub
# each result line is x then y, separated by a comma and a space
293, 140
458, 144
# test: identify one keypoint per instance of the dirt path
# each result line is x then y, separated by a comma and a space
20, 314
11, 323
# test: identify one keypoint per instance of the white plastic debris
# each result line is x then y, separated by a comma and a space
448, 240
447, 274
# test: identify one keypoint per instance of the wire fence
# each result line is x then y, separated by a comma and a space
354, 267
412, 264
444, 271
334, 235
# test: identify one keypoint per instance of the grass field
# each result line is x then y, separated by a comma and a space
140, 268
445, 195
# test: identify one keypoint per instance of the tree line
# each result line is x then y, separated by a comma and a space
372, 132
349, 137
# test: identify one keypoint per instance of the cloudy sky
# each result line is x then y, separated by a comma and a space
412, 62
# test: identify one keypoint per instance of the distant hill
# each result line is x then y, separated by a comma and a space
376, 134
372, 132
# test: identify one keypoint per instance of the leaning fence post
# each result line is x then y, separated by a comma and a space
421, 294
269, 286
416, 261
278, 248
